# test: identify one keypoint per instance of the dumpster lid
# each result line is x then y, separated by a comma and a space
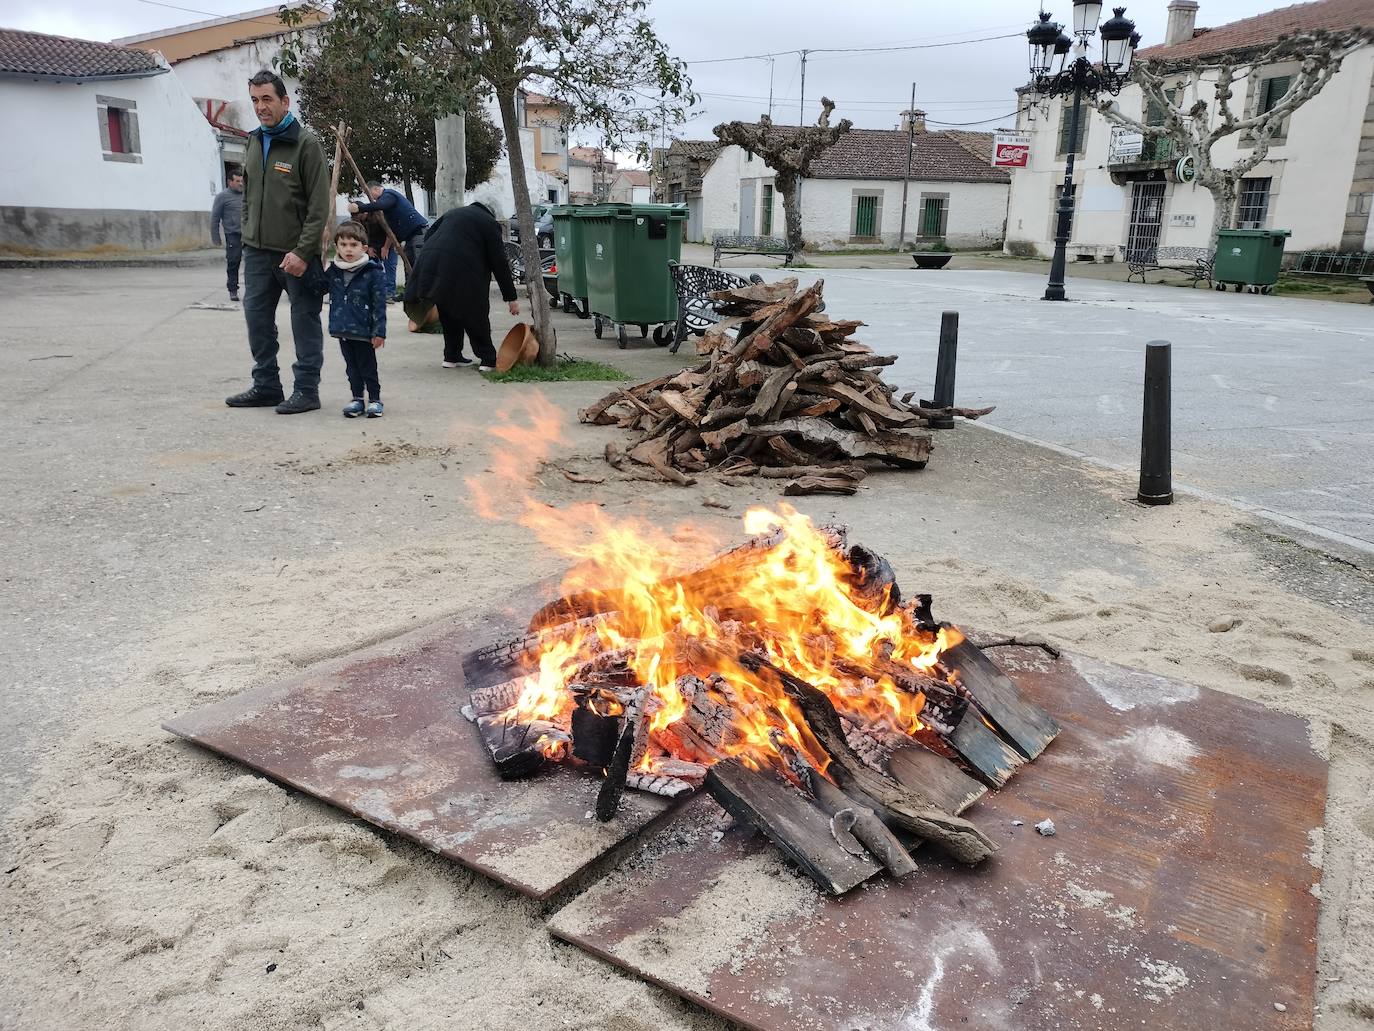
1254, 233
651, 211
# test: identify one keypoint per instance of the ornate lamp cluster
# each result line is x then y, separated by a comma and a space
1054, 73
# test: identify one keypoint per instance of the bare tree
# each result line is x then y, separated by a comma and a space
1178, 91
790, 152
600, 58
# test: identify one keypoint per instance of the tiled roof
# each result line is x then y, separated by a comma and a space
36, 55
881, 154
634, 176
1265, 29
695, 148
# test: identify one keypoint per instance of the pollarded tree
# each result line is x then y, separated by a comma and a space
790, 151
393, 136
600, 58
1197, 111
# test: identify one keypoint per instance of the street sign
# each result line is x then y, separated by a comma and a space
1186, 221
1010, 150
1185, 171
1126, 143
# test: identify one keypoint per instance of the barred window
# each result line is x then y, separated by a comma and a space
1254, 203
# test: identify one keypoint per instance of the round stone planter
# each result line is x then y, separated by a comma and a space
931, 259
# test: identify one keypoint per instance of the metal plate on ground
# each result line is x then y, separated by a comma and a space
379, 734
1176, 893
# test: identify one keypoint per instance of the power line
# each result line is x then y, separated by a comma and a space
191, 10
985, 121
841, 102
856, 50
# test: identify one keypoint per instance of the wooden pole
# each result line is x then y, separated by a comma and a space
362, 185
340, 131
906, 178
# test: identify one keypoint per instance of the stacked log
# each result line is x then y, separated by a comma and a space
784, 393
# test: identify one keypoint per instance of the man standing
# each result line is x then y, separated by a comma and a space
462, 251
406, 223
228, 212
286, 204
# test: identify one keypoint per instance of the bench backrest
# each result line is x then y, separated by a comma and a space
752, 243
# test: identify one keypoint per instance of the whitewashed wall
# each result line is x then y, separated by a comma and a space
1311, 170
977, 211
179, 170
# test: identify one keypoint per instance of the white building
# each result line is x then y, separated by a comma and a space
105, 152
216, 58
630, 186
1317, 180
853, 196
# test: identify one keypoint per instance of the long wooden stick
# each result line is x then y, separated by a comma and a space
339, 131
362, 185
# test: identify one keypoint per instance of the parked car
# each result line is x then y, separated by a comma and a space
543, 227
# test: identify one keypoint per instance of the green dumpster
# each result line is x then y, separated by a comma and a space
627, 248
571, 258
1249, 258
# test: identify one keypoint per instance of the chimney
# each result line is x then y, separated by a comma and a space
915, 118
1182, 20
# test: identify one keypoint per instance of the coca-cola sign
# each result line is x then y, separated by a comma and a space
1010, 150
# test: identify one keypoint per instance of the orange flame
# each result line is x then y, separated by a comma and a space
796, 599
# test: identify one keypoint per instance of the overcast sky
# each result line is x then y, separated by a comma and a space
958, 82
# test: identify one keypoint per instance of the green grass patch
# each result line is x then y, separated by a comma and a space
561, 372
1286, 285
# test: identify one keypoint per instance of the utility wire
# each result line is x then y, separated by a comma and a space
212, 14
857, 50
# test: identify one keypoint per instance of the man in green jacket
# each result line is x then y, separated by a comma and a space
286, 204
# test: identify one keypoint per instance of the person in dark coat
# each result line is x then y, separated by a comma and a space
227, 211
406, 223
462, 251
357, 316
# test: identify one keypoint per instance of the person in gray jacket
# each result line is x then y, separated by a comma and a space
228, 212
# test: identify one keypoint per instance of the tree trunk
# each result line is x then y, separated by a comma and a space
451, 172
524, 215
405, 184
1223, 209
791, 206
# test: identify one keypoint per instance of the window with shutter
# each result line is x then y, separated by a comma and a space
117, 120
934, 215
1065, 120
866, 214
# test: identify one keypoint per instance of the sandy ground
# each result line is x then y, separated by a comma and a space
149, 885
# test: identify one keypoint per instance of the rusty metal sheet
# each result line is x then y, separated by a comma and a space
1175, 894
379, 734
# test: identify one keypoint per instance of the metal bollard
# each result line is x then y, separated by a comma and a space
1156, 474
944, 369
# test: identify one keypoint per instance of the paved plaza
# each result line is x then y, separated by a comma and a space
1273, 398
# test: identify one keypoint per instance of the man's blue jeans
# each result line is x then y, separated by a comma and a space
389, 271
263, 283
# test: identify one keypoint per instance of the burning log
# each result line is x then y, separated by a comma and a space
895, 804
800, 830
633, 737
668, 787
516, 747
791, 389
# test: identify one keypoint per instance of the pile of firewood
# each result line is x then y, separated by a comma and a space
784, 393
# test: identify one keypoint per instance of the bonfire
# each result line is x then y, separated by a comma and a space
791, 662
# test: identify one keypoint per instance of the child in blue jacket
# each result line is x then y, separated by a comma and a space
357, 316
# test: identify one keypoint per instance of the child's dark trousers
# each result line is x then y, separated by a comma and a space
360, 360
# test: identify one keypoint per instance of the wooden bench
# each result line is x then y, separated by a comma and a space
767, 246
696, 311
1193, 262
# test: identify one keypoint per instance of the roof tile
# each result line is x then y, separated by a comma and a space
936, 157
1266, 29
37, 54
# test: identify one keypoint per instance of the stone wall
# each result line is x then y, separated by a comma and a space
38, 231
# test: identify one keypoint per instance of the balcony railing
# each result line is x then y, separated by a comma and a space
1156, 148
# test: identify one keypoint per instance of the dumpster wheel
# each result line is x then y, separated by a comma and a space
620, 337
597, 325
663, 335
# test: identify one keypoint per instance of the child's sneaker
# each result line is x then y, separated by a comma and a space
486, 368
374, 410
460, 363
354, 408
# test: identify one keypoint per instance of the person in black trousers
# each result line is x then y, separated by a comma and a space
462, 252
228, 212
357, 316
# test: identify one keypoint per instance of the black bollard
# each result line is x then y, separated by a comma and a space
1156, 476
944, 369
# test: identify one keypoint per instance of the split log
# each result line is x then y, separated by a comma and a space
893, 445
516, 747
895, 804
1026, 725
820, 485
849, 821
789, 472
799, 829
667, 787
634, 732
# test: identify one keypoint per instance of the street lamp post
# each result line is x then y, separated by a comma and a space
1078, 78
